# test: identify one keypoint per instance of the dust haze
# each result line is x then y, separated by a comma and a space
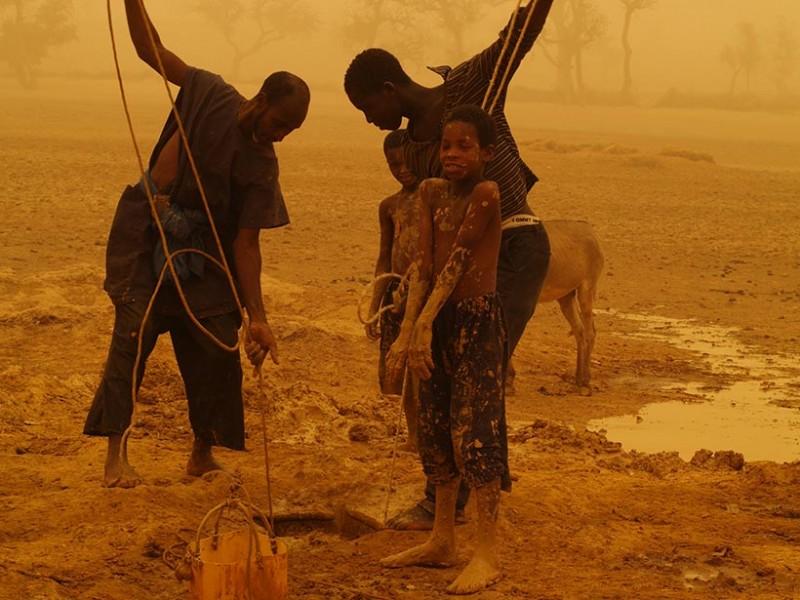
688, 169
732, 55
676, 43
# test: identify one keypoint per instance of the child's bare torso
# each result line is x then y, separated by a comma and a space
404, 210
447, 214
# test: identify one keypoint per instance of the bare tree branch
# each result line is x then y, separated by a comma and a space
630, 6
28, 30
248, 26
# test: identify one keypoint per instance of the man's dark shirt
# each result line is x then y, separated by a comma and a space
467, 84
240, 179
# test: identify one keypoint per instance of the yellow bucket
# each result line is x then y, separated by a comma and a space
246, 564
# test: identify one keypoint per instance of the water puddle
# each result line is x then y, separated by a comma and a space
744, 417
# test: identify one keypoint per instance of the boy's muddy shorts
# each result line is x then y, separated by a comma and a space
390, 329
462, 423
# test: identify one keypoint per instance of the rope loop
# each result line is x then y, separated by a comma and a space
401, 293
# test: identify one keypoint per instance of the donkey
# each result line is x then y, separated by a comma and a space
576, 263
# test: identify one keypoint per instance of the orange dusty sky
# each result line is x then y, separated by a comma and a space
677, 44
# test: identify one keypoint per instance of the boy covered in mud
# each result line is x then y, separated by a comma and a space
378, 86
398, 216
458, 349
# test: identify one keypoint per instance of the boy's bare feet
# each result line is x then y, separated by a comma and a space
118, 472
417, 518
482, 571
436, 552
439, 550
479, 574
201, 460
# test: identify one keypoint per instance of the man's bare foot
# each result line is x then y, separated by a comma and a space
118, 472
202, 460
436, 552
120, 475
417, 518
479, 574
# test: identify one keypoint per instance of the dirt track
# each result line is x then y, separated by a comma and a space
683, 238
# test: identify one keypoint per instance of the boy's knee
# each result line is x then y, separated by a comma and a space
437, 462
482, 465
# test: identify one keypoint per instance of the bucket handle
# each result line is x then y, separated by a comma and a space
242, 508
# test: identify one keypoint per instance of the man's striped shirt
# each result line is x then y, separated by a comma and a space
467, 84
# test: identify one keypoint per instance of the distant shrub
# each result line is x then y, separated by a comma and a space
743, 102
688, 155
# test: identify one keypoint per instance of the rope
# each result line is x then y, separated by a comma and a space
403, 281
509, 65
263, 410
221, 263
501, 57
393, 306
390, 486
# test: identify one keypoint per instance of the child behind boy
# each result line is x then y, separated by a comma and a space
398, 215
458, 349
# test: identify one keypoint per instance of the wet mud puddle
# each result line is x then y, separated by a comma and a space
745, 416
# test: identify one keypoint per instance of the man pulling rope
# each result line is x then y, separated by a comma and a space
231, 139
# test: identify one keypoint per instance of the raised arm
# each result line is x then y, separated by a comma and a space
382, 265
487, 60
484, 207
138, 23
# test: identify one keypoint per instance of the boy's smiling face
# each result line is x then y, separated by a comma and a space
396, 160
461, 153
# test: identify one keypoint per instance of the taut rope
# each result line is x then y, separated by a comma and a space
489, 106
406, 377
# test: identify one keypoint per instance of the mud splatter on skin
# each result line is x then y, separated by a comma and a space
452, 258
399, 217
406, 232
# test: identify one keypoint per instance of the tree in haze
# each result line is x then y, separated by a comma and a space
368, 18
456, 21
389, 23
571, 27
28, 30
785, 55
408, 26
630, 7
250, 25
743, 54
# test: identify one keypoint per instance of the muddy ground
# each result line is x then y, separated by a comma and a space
684, 237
